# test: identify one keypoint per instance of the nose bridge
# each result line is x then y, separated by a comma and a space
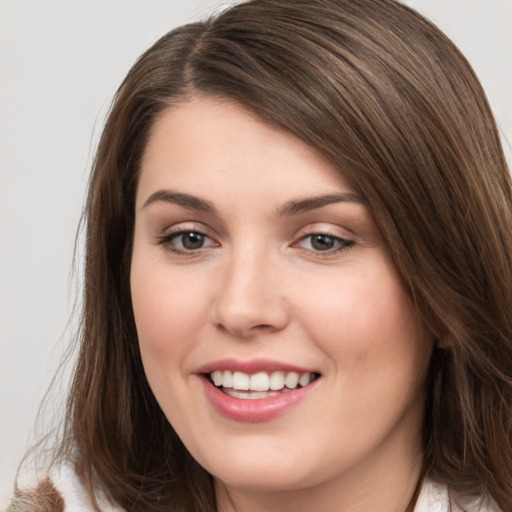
250, 298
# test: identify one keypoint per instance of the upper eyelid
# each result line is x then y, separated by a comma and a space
190, 226
325, 229
176, 232
335, 231
324, 233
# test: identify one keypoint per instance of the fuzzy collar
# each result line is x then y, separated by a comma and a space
63, 492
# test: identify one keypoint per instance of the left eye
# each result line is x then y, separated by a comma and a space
323, 242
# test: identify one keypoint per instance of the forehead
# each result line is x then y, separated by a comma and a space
219, 145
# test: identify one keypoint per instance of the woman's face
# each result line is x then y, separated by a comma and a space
256, 265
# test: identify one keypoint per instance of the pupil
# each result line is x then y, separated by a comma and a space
192, 240
322, 242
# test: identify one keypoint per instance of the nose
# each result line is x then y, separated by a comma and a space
250, 300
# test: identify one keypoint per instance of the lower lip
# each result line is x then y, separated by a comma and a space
256, 410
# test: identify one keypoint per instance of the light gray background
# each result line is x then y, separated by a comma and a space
60, 63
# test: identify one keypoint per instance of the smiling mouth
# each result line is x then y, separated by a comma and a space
259, 385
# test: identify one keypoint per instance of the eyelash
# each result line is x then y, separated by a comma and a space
342, 244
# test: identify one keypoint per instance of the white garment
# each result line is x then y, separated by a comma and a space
75, 498
433, 497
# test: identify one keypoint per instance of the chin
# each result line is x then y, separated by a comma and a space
265, 471
264, 479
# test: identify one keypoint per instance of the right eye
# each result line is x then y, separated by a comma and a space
186, 241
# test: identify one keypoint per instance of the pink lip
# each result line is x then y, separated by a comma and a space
258, 410
251, 367
253, 411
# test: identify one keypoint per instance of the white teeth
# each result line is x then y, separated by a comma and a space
304, 379
277, 381
241, 381
217, 377
227, 379
291, 380
252, 395
260, 382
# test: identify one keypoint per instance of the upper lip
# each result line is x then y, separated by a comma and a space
252, 366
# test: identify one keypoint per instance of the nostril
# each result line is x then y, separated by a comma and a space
245, 329
247, 306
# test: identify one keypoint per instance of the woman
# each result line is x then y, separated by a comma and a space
297, 283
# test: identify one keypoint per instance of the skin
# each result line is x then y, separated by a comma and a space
259, 287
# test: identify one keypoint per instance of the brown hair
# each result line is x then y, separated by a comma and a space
393, 104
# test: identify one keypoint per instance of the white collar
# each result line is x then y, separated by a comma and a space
433, 497
75, 497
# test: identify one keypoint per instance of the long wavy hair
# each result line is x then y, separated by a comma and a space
387, 98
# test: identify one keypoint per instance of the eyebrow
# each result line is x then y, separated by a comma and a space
293, 207
311, 203
187, 201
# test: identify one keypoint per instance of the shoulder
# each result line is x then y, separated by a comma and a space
435, 497
59, 492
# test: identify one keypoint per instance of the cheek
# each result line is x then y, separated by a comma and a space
365, 323
377, 358
168, 309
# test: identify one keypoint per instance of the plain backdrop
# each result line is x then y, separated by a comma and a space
60, 64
